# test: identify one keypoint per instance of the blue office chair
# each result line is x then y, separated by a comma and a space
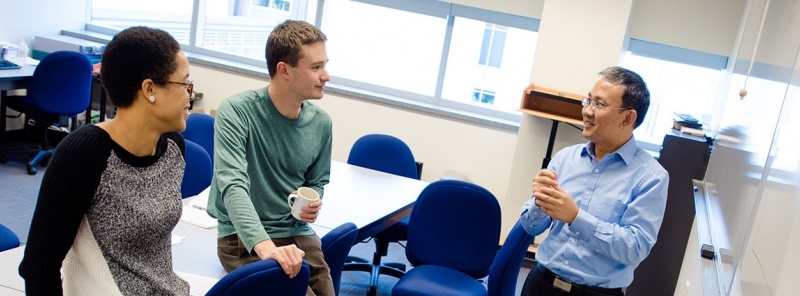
61, 86
198, 172
387, 154
265, 277
335, 247
8, 240
508, 261
452, 240
200, 129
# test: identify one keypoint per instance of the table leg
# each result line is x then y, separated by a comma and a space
550, 143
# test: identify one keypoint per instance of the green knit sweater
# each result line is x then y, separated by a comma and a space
260, 157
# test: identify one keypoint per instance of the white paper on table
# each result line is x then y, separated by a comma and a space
31, 61
200, 201
197, 217
177, 239
198, 284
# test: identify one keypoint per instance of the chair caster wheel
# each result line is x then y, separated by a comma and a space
373, 290
31, 170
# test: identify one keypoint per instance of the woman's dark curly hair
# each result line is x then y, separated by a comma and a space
133, 55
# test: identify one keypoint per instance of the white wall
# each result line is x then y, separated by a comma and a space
708, 25
23, 20
26, 19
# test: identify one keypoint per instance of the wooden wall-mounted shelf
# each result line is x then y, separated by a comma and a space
552, 104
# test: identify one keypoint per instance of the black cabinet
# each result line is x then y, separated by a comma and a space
685, 158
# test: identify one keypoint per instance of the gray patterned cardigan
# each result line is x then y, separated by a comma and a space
106, 217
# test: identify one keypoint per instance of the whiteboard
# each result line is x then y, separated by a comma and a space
754, 170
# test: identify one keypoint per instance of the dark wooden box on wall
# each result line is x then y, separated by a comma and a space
552, 104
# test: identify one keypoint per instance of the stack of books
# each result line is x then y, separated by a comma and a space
687, 124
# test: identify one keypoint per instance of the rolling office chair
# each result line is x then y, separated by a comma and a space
8, 240
198, 171
502, 274
508, 261
265, 277
60, 86
335, 247
200, 129
387, 154
452, 240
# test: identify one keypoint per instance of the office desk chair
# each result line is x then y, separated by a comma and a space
508, 261
452, 240
200, 129
198, 171
60, 86
265, 277
8, 240
335, 247
99, 100
387, 154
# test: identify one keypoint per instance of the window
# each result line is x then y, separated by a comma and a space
679, 80
483, 96
274, 4
241, 27
755, 119
388, 56
174, 17
432, 52
224, 27
787, 142
494, 39
489, 52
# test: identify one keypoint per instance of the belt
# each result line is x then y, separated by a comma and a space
573, 288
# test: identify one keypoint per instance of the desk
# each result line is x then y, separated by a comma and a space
10, 80
20, 78
9, 276
370, 199
16, 78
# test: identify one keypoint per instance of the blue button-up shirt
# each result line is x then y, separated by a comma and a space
621, 200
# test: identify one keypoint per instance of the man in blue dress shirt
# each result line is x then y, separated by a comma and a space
603, 200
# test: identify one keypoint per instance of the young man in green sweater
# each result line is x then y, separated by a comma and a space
268, 143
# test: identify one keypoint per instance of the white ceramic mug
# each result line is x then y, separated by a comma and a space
304, 197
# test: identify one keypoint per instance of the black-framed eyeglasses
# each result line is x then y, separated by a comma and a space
596, 105
189, 86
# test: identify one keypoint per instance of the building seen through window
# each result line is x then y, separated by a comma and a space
483, 96
494, 40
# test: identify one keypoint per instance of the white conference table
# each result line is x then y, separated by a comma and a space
10, 281
372, 200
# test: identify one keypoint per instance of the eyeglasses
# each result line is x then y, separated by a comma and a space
596, 105
189, 87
